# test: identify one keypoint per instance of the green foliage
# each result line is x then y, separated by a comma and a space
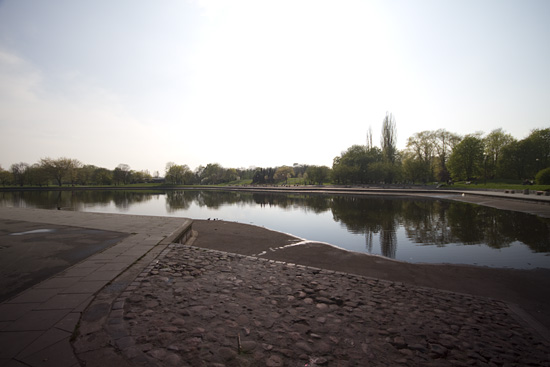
263, 176
495, 143
36, 175
427, 154
497, 185
359, 165
466, 160
102, 176
318, 174
543, 177
523, 159
61, 170
416, 170
5, 177
178, 174
283, 173
122, 174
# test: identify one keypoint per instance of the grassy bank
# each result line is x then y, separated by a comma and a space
497, 186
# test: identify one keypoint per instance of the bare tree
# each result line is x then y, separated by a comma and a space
369, 139
19, 172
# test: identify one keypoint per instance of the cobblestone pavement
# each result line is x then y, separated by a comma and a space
199, 307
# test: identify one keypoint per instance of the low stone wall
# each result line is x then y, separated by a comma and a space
181, 235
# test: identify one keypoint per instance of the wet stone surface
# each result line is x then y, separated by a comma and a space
197, 307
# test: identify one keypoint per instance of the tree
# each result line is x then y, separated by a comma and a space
263, 176
299, 169
355, 165
351, 165
258, 178
177, 174
414, 169
513, 163
102, 176
142, 176
122, 174
421, 157
85, 174
230, 174
369, 138
36, 175
173, 174
18, 171
523, 159
212, 174
388, 143
466, 160
61, 169
318, 174
283, 173
5, 177
388, 140
495, 142
445, 142
540, 139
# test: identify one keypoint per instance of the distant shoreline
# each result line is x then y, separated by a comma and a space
499, 199
329, 189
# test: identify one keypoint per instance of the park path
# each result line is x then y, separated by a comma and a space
36, 326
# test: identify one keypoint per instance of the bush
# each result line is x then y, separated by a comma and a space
543, 177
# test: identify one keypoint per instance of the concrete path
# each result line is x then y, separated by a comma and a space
36, 326
32, 252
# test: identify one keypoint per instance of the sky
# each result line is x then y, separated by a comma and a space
261, 83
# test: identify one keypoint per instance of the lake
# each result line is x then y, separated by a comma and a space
411, 229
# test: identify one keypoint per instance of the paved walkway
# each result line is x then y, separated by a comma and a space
36, 325
199, 307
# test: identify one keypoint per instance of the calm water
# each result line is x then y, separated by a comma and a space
402, 228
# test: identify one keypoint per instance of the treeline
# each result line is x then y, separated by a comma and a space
444, 156
430, 156
68, 171
215, 174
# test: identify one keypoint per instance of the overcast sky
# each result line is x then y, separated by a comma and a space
261, 83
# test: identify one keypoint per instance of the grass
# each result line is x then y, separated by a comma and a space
237, 183
498, 186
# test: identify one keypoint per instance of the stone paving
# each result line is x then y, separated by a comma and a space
37, 325
199, 307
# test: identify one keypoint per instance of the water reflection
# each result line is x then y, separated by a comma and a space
425, 222
377, 215
443, 222
75, 200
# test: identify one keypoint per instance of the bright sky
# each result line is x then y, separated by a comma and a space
261, 83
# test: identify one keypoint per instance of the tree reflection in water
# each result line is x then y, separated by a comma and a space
378, 218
